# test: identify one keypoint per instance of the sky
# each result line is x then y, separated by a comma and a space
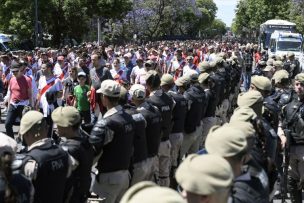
225, 10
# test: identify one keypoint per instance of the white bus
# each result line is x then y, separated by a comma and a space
267, 28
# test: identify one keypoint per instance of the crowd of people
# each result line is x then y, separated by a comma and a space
214, 121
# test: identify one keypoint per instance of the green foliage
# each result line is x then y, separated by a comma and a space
297, 14
60, 18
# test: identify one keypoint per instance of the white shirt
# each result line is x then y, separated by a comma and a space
57, 86
58, 70
134, 73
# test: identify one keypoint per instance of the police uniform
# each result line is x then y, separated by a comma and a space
293, 121
165, 104
178, 116
140, 167
78, 146
282, 95
192, 130
268, 137
250, 180
46, 164
292, 65
208, 118
205, 175
153, 137
112, 139
252, 185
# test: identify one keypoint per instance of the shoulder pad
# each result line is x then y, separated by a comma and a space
138, 117
285, 98
18, 161
98, 132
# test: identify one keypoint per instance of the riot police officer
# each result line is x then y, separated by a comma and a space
268, 136
46, 164
282, 93
192, 131
294, 121
140, 167
179, 115
271, 109
112, 139
165, 104
208, 119
292, 65
77, 145
153, 128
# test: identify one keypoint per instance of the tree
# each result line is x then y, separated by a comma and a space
297, 14
217, 28
251, 13
59, 18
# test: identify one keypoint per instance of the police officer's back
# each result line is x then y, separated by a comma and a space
68, 121
139, 168
162, 101
153, 127
293, 123
165, 104
252, 185
112, 139
45, 164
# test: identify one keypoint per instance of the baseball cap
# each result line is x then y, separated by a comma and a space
138, 91
300, 77
225, 141
81, 74
202, 77
261, 83
66, 116
278, 64
192, 75
204, 174
203, 66
181, 81
109, 88
7, 144
278, 76
166, 79
28, 120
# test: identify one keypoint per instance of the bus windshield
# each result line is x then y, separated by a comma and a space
289, 46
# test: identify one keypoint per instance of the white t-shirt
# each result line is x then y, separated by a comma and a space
57, 86
58, 70
141, 77
134, 73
